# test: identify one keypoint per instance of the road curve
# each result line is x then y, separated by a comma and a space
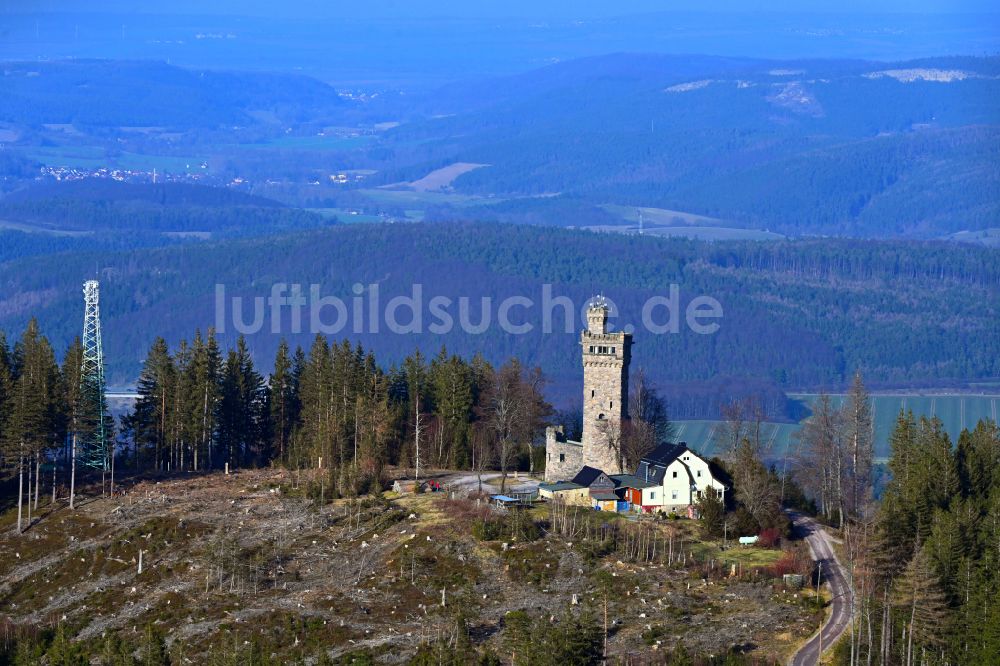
823, 554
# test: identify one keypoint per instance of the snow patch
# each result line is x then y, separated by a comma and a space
796, 98
686, 87
911, 75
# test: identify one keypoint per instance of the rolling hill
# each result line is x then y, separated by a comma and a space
796, 314
800, 147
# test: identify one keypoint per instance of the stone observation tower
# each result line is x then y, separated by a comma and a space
605, 402
606, 357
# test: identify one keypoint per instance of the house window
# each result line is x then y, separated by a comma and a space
673, 494
698, 473
675, 475
652, 494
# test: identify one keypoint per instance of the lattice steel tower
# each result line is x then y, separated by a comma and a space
93, 423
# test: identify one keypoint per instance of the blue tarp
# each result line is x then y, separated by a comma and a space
503, 498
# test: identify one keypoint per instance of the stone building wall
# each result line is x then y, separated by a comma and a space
606, 358
563, 458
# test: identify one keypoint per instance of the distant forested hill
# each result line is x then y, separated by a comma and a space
797, 147
800, 147
95, 205
107, 93
796, 314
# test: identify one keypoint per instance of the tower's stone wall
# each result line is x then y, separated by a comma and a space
606, 358
563, 458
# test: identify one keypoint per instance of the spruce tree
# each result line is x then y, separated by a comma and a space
282, 407
151, 414
6, 396
34, 410
857, 419
203, 371
923, 604
70, 382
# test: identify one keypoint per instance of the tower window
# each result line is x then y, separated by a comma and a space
675, 475
592, 392
562, 457
600, 417
612, 350
612, 403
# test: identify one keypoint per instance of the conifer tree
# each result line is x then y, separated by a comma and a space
33, 413
242, 409
315, 393
857, 419
451, 385
283, 401
6, 395
180, 435
204, 371
151, 414
923, 604
70, 382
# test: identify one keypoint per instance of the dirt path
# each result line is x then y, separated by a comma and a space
468, 482
821, 547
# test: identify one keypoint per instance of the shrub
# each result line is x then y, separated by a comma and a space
712, 514
486, 529
769, 537
794, 560
653, 634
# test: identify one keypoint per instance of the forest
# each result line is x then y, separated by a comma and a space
797, 314
922, 562
203, 408
921, 537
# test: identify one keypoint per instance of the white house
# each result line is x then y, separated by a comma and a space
680, 475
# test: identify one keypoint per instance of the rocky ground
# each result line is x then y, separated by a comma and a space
248, 556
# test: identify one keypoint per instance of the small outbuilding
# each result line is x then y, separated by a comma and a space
567, 491
604, 500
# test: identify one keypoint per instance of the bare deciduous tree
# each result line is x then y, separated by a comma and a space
514, 410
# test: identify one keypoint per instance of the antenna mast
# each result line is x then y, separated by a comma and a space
94, 430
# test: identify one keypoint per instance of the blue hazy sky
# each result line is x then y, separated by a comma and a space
493, 8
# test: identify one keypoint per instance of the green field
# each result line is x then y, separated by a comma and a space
313, 142
420, 200
955, 411
93, 157
346, 216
